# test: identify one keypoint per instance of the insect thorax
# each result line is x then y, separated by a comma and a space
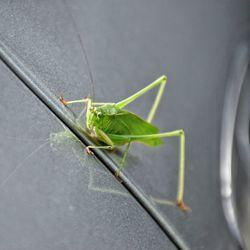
100, 117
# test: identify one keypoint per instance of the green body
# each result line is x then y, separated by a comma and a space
112, 125
119, 126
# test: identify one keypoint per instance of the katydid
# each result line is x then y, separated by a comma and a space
113, 126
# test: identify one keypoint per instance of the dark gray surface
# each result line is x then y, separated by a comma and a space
130, 44
53, 196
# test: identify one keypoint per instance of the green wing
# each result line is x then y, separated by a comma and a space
127, 123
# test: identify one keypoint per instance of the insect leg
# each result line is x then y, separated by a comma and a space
160, 81
88, 102
85, 100
101, 103
121, 166
100, 147
181, 176
156, 103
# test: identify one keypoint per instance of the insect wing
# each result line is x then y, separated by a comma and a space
133, 125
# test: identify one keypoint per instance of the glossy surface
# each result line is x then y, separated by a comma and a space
53, 195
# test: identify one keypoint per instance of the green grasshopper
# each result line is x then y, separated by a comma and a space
113, 126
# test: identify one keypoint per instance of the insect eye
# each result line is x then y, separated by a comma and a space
93, 109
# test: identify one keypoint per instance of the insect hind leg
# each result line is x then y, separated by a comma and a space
161, 81
181, 176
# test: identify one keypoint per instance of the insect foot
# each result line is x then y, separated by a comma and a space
117, 175
63, 101
87, 149
181, 205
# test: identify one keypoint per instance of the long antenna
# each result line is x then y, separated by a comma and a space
82, 48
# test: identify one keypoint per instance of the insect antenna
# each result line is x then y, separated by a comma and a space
83, 49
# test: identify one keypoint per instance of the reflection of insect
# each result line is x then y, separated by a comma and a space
113, 126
